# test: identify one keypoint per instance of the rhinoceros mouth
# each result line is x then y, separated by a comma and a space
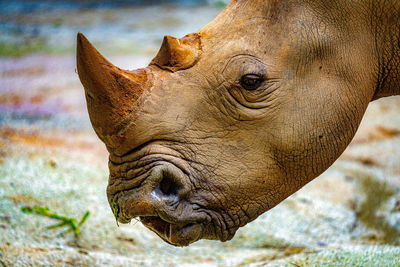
155, 183
174, 234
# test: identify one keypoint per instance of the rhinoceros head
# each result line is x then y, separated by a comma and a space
226, 122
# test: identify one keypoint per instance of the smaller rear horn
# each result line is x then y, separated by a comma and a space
178, 54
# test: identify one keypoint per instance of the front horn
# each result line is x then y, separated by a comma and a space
112, 94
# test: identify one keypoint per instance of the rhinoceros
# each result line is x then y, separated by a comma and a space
227, 122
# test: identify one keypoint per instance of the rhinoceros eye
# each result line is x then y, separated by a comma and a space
251, 82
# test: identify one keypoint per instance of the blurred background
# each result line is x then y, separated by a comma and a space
121, 26
50, 156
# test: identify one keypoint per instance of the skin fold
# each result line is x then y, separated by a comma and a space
227, 122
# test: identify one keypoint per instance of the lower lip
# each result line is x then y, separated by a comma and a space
158, 225
173, 234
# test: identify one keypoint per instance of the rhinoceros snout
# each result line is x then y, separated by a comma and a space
161, 203
160, 189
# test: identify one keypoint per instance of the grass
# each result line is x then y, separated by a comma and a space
115, 211
38, 45
21, 49
65, 221
219, 4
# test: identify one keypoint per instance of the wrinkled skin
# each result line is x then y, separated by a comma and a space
195, 154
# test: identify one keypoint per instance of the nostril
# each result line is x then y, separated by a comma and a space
168, 186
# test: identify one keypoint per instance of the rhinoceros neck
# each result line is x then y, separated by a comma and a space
385, 23
374, 27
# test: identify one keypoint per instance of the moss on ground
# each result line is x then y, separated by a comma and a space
362, 256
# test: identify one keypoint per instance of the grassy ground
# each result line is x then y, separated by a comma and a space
50, 156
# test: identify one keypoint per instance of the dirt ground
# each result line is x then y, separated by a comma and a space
50, 156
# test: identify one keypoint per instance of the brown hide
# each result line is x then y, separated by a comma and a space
227, 122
